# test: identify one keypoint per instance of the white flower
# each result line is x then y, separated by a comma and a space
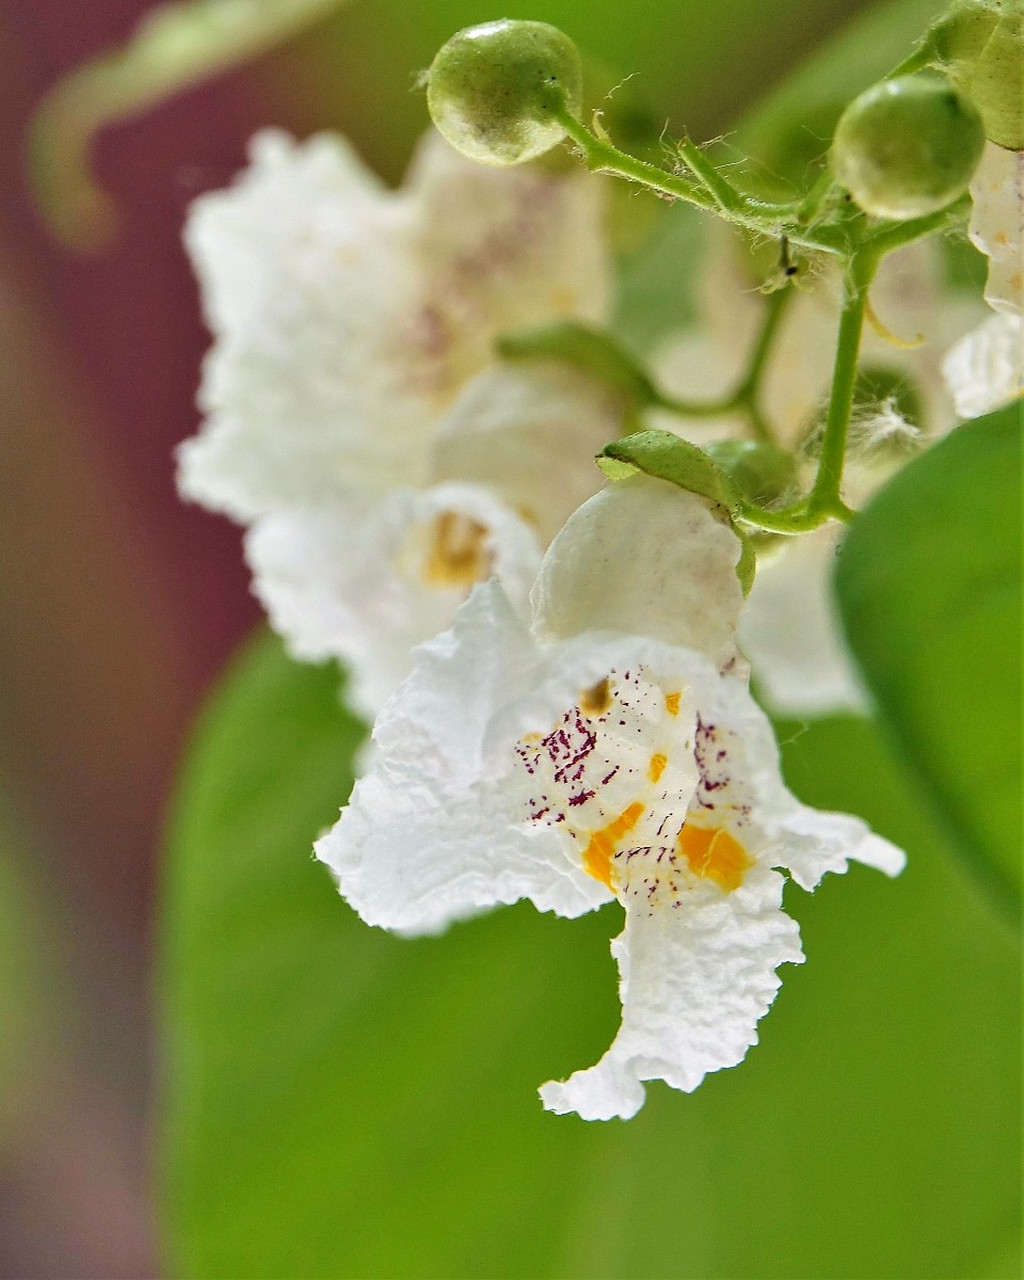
791, 632
997, 225
985, 369
349, 323
615, 762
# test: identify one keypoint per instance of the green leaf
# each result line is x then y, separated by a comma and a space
929, 588
341, 1103
666, 456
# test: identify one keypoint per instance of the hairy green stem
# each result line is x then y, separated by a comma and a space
754, 215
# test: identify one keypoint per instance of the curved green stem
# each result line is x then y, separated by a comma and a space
824, 502
746, 395
720, 196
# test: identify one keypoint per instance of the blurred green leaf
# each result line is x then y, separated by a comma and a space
176, 45
339, 1102
929, 586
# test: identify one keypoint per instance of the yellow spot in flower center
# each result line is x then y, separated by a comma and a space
657, 766
457, 551
672, 703
713, 854
596, 700
597, 856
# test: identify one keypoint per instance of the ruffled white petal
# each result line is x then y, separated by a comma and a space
506, 249
366, 580
807, 842
791, 634
696, 976
997, 225
985, 369
347, 317
566, 772
530, 431
439, 829
643, 557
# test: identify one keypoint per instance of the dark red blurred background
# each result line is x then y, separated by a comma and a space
120, 603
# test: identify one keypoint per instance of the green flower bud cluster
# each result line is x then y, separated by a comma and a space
496, 91
979, 44
907, 147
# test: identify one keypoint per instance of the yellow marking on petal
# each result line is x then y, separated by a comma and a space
597, 856
457, 551
596, 700
713, 854
672, 703
657, 766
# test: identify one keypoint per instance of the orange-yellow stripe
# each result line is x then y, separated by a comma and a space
713, 854
597, 856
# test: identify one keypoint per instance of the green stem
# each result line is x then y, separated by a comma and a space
754, 215
724, 194
824, 496
824, 502
749, 391
891, 236
746, 395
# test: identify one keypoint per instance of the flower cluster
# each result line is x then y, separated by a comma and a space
610, 749
356, 419
558, 672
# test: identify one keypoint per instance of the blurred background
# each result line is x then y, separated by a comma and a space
120, 603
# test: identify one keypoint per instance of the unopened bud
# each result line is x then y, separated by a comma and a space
980, 46
496, 91
907, 147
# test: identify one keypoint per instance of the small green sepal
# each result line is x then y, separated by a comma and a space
746, 565
668, 457
497, 91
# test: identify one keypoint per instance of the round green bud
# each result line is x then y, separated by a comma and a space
907, 147
980, 46
495, 91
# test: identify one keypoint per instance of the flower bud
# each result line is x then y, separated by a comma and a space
980, 46
907, 147
494, 91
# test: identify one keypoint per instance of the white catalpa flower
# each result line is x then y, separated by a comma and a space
985, 369
997, 225
576, 767
790, 630
349, 321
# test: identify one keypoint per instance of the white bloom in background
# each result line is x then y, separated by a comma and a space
985, 369
348, 319
997, 225
791, 632
790, 629
367, 579
622, 760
